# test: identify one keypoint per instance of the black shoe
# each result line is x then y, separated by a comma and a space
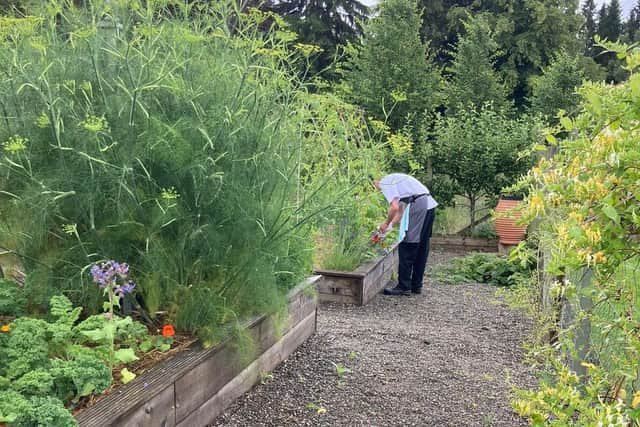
417, 291
396, 291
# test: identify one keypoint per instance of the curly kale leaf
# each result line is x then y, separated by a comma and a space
26, 348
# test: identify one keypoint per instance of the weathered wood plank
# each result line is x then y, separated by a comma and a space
335, 273
328, 283
153, 383
375, 286
251, 374
330, 289
464, 243
375, 275
159, 411
205, 380
345, 299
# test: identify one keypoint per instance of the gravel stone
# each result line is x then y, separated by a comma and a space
447, 357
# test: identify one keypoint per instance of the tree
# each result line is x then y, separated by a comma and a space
633, 24
610, 21
474, 80
390, 72
589, 27
556, 88
479, 150
441, 22
325, 23
528, 33
610, 28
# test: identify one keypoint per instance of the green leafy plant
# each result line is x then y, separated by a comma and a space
479, 149
584, 200
13, 301
49, 363
317, 408
265, 377
46, 366
111, 276
152, 132
339, 155
484, 268
341, 370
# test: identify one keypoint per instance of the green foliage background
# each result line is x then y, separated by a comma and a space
163, 137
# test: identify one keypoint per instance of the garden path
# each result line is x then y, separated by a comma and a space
447, 357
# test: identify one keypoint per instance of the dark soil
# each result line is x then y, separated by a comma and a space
447, 357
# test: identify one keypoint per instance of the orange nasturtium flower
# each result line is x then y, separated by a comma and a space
5, 328
168, 331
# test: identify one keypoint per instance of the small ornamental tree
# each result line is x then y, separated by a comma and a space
586, 200
480, 150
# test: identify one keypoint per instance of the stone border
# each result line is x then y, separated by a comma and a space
359, 286
192, 388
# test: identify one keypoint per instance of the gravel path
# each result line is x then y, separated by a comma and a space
443, 358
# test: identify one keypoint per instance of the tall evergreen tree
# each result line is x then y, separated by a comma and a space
610, 28
474, 80
589, 27
610, 21
390, 72
528, 32
441, 22
633, 24
325, 23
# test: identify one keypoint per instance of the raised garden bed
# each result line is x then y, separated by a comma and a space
359, 286
192, 388
464, 244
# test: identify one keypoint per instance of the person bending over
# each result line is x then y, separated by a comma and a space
411, 205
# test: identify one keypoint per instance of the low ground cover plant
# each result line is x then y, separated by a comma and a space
59, 359
494, 269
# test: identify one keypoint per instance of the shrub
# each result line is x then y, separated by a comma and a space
339, 155
161, 135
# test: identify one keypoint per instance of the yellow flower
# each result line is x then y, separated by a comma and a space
563, 232
5, 328
593, 235
522, 408
588, 365
536, 203
577, 216
599, 257
15, 144
636, 400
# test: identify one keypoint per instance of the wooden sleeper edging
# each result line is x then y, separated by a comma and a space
195, 386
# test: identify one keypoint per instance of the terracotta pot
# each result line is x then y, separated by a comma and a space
506, 229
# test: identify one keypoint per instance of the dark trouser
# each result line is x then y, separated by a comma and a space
413, 256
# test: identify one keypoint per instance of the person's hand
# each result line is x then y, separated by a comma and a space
382, 228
